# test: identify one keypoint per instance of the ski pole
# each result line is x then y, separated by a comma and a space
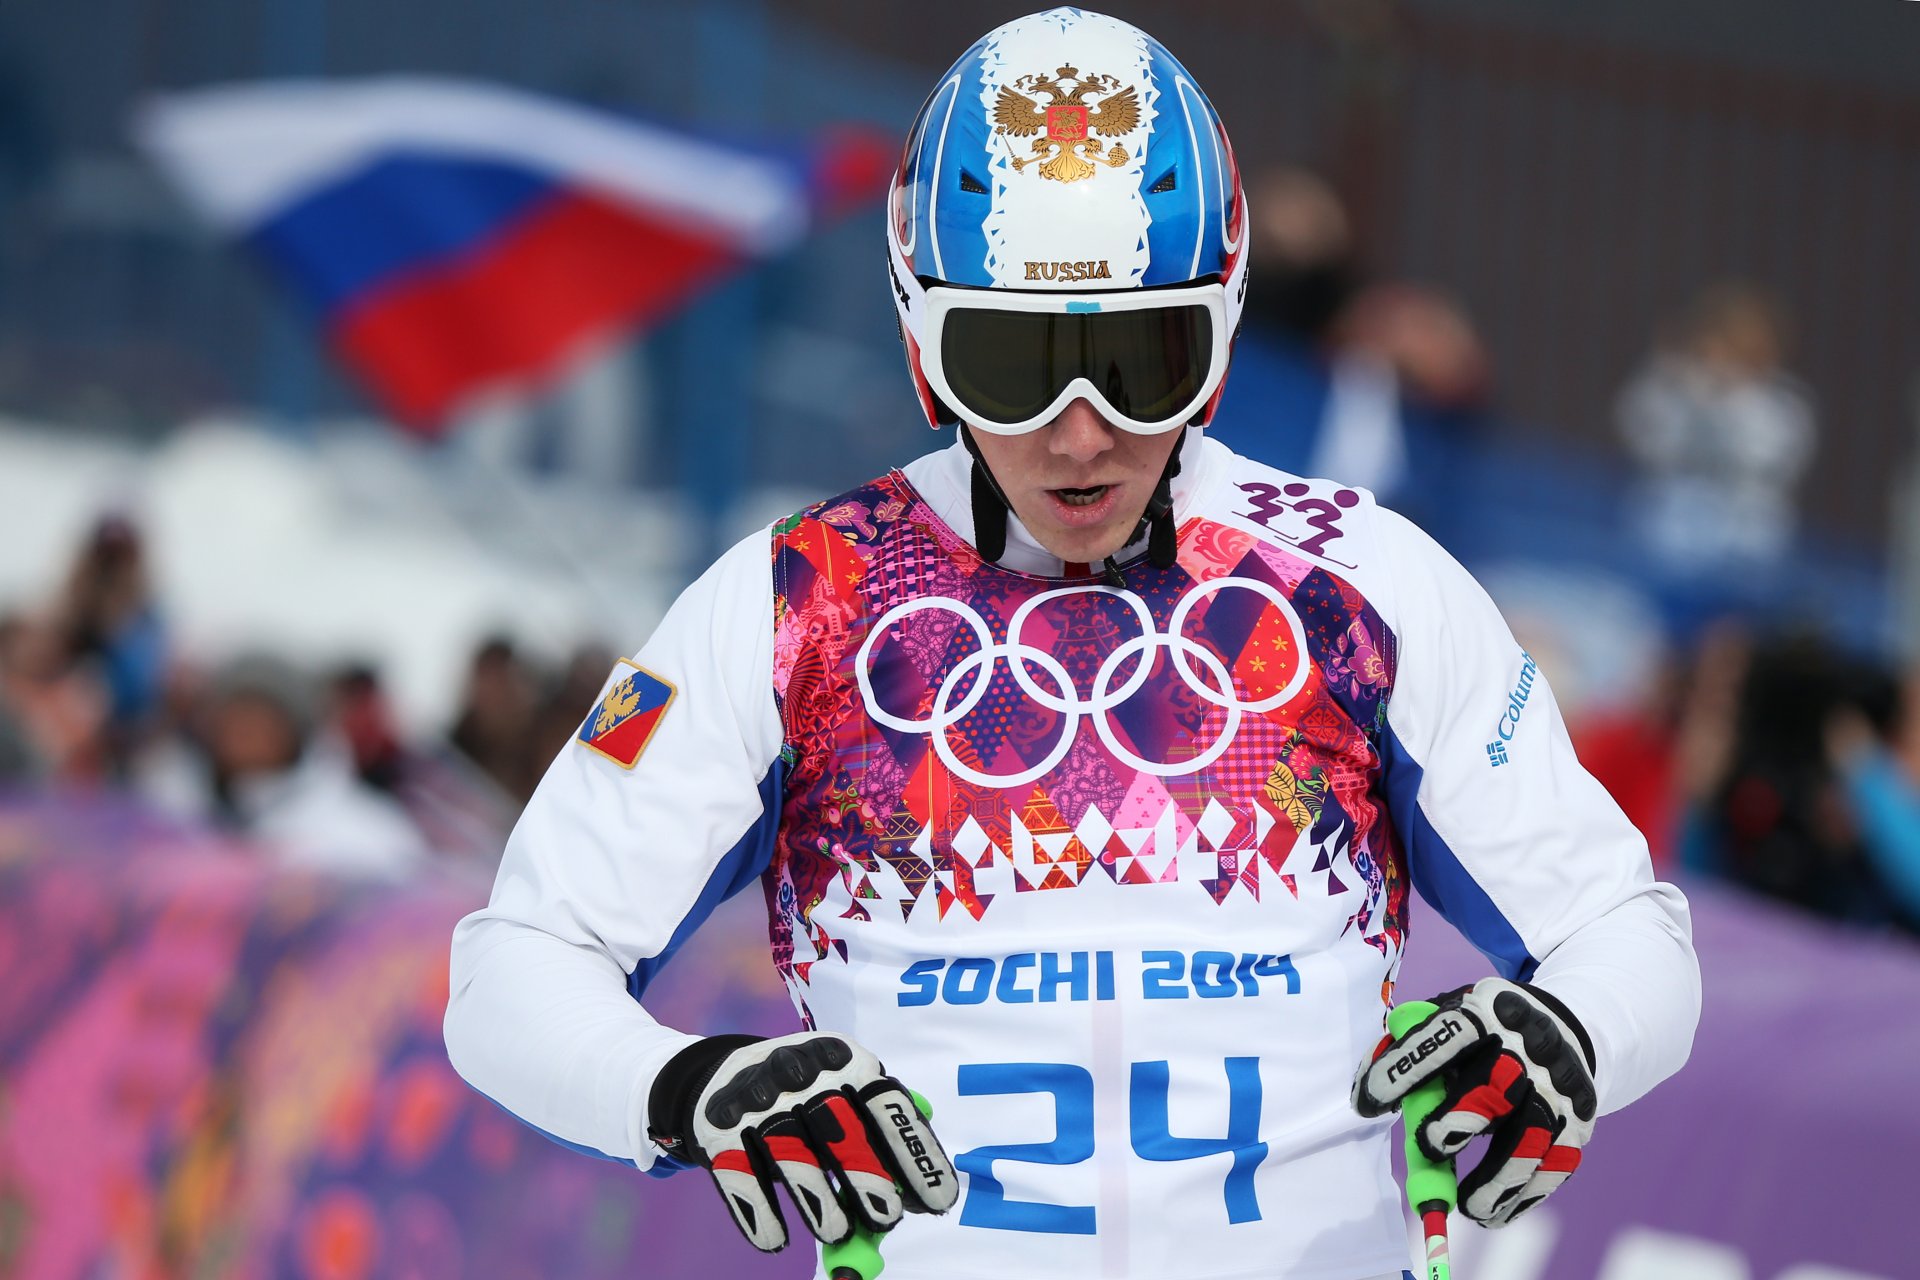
858, 1256
1432, 1188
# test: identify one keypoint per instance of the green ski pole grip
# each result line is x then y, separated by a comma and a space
858, 1256
1432, 1188
1428, 1181
855, 1258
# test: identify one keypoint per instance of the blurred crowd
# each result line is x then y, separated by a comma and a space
1747, 749
1770, 760
1775, 761
312, 766
1751, 748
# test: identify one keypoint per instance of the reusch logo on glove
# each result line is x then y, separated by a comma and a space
1448, 1028
915, 1147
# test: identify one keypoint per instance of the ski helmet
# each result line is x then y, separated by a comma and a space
1067, 153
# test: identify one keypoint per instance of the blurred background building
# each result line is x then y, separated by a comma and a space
1620, 301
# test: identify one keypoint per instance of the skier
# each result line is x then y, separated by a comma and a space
1085, 767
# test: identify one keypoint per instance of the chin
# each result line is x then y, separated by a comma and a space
1087, 546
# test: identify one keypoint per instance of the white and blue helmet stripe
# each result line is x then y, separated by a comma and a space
1065, 150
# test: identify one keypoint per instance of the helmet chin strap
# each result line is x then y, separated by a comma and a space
991, 508
990, 505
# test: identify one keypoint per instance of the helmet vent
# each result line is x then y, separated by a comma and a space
970, 183
1165, 182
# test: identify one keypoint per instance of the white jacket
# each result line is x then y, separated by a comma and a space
1117, 878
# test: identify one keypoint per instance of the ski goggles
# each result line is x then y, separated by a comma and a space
1009, 363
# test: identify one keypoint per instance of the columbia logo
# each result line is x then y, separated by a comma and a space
1496, 753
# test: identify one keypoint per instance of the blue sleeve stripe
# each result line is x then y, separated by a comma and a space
739, 867
1437, 874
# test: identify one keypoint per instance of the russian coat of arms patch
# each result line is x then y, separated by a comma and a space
621, 726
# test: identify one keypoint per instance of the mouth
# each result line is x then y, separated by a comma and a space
1083, 506
1084, 497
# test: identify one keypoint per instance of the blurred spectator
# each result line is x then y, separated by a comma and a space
574, 694
1663, 754
1369, 384
496, 719
1722, 434
1425, 338
262, 768
1778, 819
19, 761
80, 683
1630, 750
1407, 361
363, 719
1882, 780
1303, 245
1304, 273
458, 810
56, 712
108, 622
513, 722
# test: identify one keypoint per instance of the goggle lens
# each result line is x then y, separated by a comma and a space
1008, 366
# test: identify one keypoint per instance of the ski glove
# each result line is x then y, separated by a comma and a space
814, 1110
1518, 1067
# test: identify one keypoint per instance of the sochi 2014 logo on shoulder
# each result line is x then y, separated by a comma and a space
1192, 664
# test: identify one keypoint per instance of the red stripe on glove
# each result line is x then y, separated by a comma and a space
1490, 1099
1560, 1160
732, 1160
854, 1152
790, 1150
1533, 1144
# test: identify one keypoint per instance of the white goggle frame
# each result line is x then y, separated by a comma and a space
939, 301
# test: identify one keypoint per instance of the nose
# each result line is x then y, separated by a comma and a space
1080, 433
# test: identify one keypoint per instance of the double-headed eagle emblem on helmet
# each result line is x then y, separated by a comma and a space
1068, 151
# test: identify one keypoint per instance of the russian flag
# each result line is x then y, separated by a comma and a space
454, 238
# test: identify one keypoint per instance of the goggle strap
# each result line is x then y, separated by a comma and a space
1162, 536
1162, 539
990, 506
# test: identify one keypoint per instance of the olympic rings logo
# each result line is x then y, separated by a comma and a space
1104, 697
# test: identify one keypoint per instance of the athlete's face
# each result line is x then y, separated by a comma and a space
1079, 484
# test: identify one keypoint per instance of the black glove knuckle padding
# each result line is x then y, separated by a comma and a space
788, 1069
1576, 1085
